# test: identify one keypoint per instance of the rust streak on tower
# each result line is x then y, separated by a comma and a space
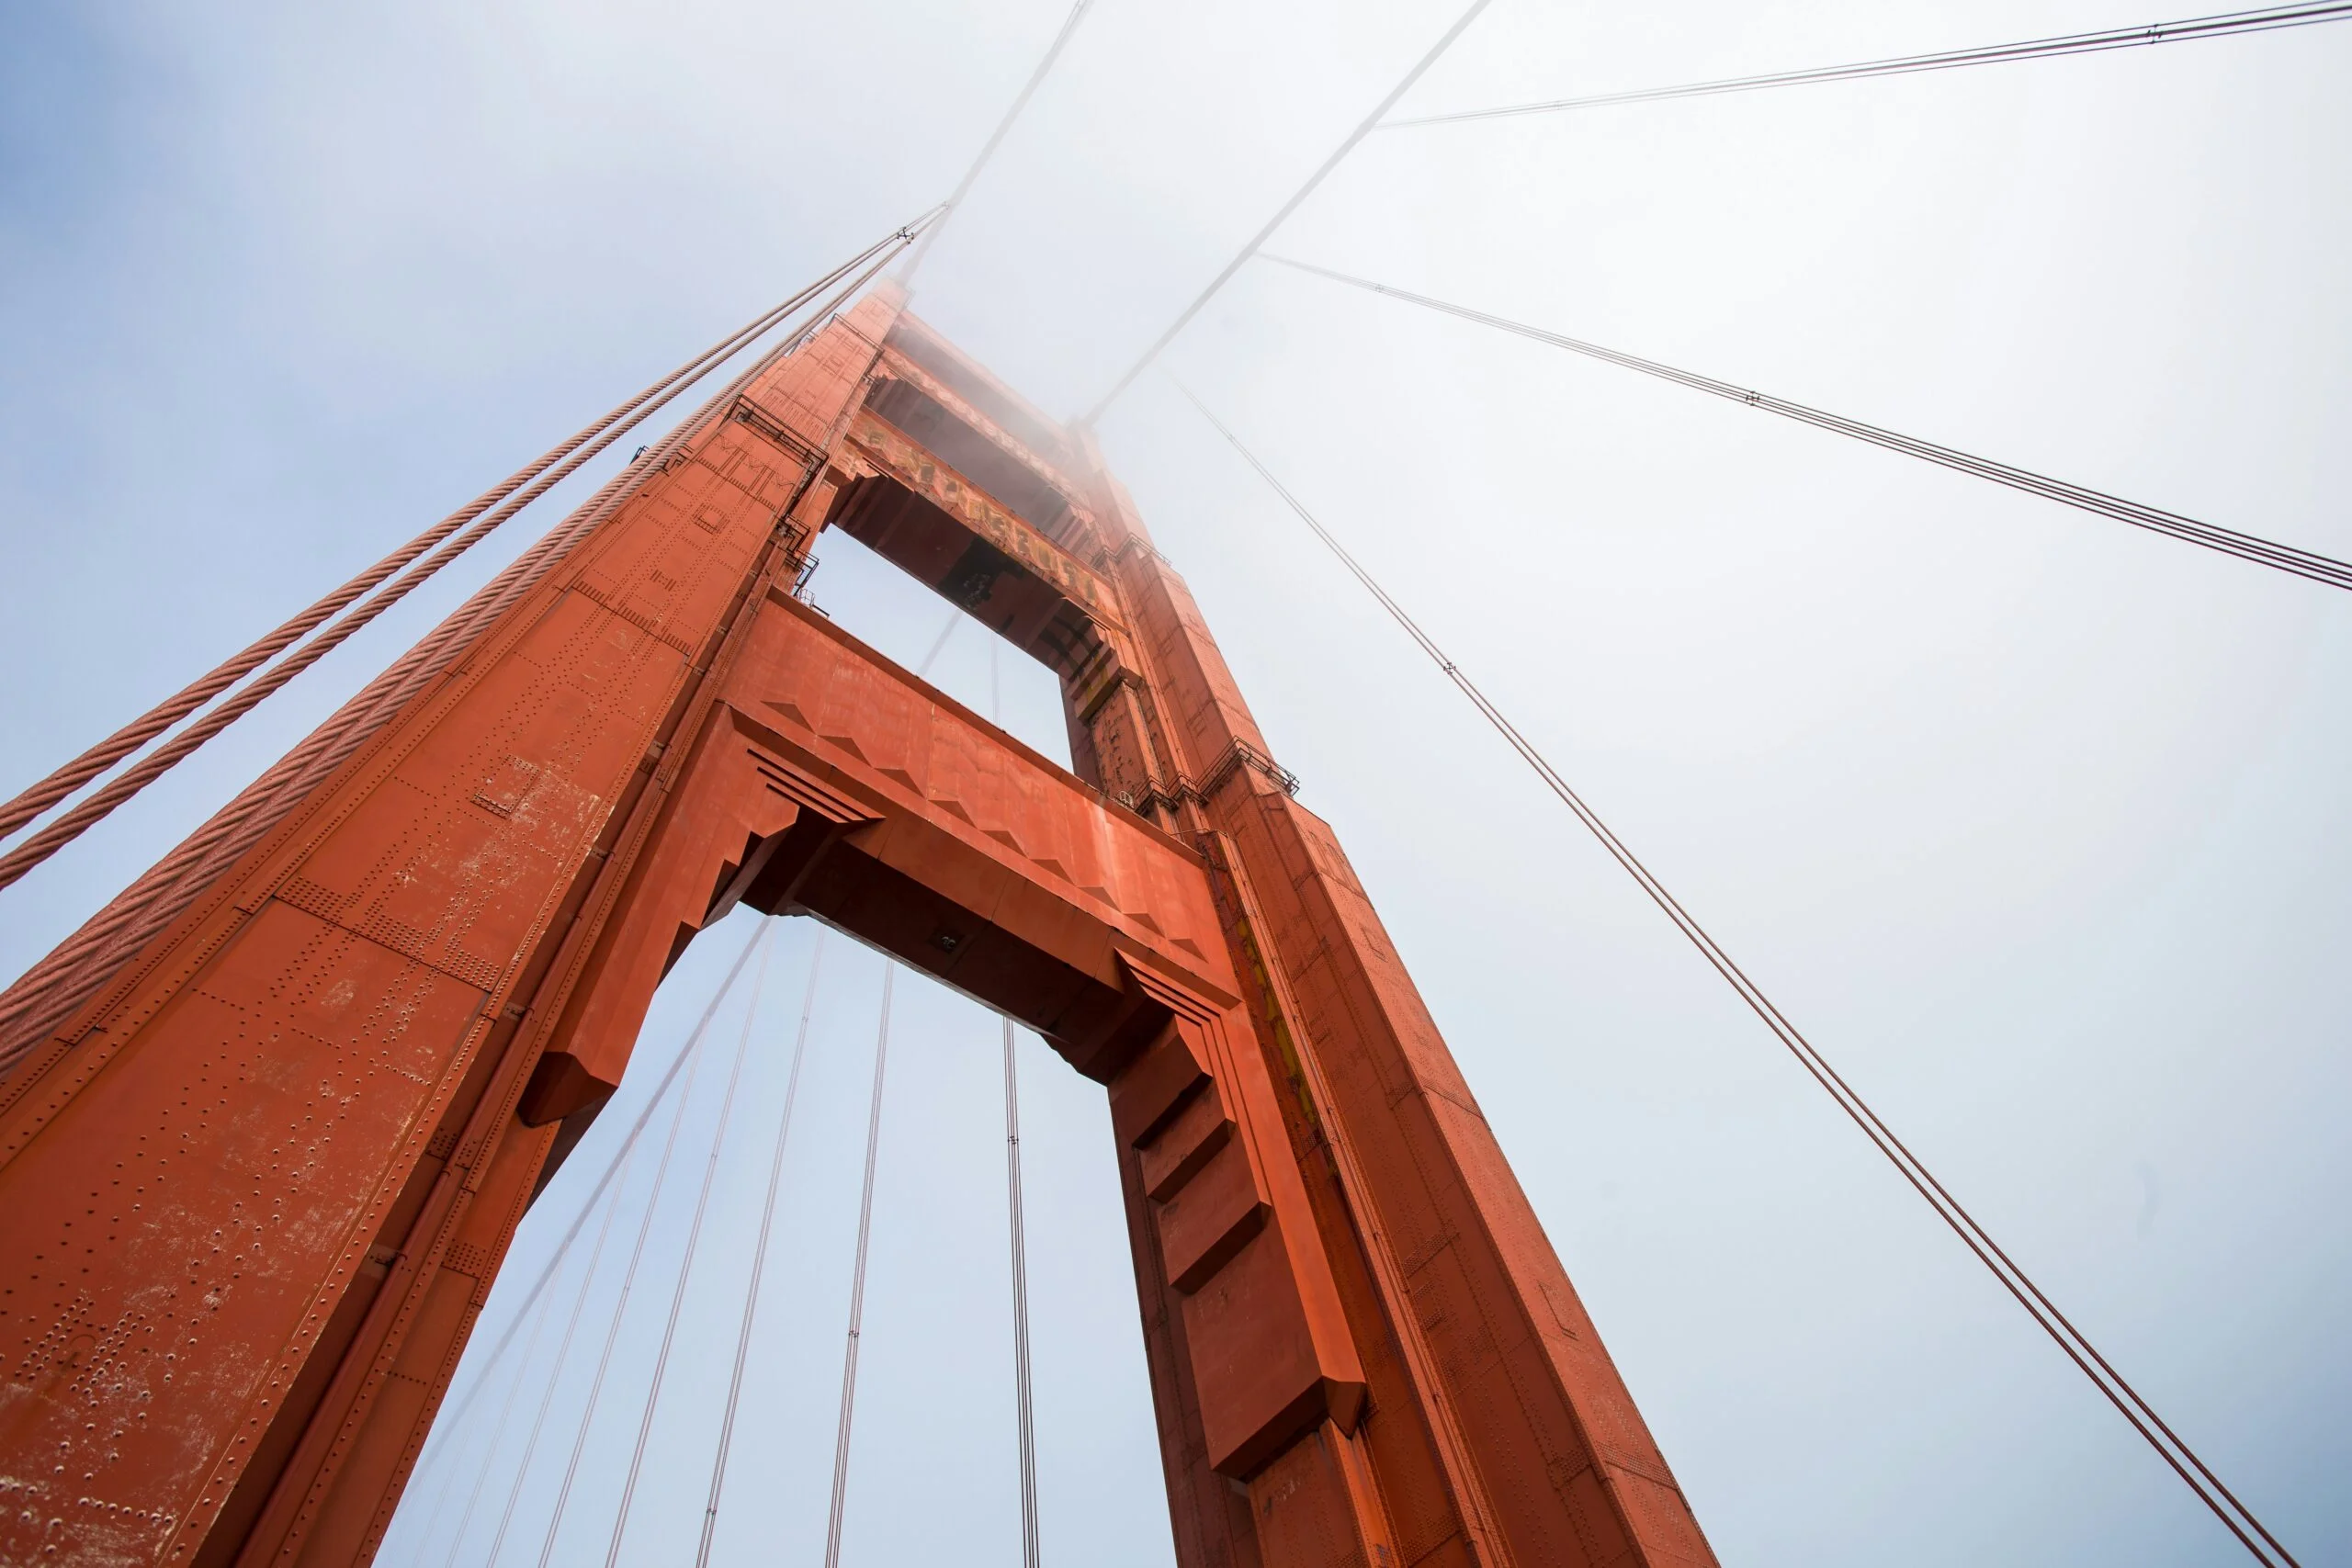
253, 1197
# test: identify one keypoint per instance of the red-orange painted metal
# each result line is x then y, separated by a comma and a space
252, 1198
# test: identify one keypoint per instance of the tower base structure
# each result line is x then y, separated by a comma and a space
251, 1199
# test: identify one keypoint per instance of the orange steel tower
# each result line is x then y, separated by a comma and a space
253, 1196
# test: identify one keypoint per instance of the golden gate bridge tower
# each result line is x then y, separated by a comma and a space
271, 1119
256, 1185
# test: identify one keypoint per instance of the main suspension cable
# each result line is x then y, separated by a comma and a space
501, 502
617, 1175
939, 644
2267, 20
628, 1283
686, 1261
837, 1509
2225, 541
2240, 1520
996, 138
758, 1261
45, 996
506, 1409
1283, 213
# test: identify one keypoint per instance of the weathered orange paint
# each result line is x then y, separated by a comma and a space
250, 1207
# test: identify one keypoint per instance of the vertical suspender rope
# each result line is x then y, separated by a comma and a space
2290, 558
939, 644
1029, 1547
857, 1284
1025, 1411
554, 1381
615, 1176
2268, 20
620, 1308
759, 1262
451, 1469
686, 1263
628, 1143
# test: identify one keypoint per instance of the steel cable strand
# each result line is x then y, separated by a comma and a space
81, 966
689, 1055
588, 1205
2267, 20
51, 986
628, 1284
2077, 1347
1282, 215
463, 635
445, 1454
1025, 1410
2307, 564
457, 635
45, 997
554, 1380
996, 139
759, 1262
2136, 1411
837, 1509
70, 826
33, 851
686, 1261
496, 1437
63, 780
440, 1499
2061, 1331
66, 979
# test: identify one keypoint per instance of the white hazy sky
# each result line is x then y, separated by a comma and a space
2034, 822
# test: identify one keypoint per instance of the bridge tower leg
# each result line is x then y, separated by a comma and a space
253, 1195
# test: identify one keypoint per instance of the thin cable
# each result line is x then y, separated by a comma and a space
506, 1410
2142, 1416
1030, 1557
2265, 20
620, 1308
1287, 207
588, 1205
554, 1380
455, 1445
939, 645
687, 1262
857, 1286
996, 138
1025, 1411
758, 1261
2225, 541
532, 482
